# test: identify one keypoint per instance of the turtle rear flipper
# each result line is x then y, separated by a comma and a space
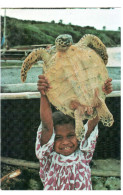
104, 114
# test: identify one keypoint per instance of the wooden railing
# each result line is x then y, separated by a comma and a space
29, 91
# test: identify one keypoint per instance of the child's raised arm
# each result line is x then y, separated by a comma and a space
107, 89
45, 110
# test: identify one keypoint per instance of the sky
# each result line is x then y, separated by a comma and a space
111, 18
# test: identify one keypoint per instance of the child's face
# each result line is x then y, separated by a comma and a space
65, 140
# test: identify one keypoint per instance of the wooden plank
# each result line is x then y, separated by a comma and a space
40, 61
36, 65
19, 162
12, 75
24, 95
103, 173
35, 165
32, 87
20, 87
26, 47
114, 94
35, 95
10, 175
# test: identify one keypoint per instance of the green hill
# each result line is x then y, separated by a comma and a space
23, 32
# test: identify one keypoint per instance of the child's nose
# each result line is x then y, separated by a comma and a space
65, 141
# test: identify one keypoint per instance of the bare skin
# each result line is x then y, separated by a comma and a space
65, 140
46, 112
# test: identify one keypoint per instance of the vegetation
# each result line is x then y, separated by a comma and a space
23, 32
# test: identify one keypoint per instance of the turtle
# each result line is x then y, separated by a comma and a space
76, 72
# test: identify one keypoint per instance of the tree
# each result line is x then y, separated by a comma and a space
52, 22
104, 27
119, 28
60, 21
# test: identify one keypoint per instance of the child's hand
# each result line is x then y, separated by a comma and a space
107, 87
43, 84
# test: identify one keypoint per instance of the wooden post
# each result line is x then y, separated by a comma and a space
95, 171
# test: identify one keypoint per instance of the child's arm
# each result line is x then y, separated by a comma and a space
45, 110
107, 88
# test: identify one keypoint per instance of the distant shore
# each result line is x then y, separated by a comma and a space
114, 54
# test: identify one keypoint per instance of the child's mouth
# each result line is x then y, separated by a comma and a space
67, 148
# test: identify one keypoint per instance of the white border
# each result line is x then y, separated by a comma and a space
59, 3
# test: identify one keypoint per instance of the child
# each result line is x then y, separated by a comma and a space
64, 162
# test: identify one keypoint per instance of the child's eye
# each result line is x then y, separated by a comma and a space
58, 137
71, 135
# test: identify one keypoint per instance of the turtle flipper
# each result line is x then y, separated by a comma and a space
94, 43
104, 114
79, 127
31, 59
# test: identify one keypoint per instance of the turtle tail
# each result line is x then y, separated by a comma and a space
32, 58
79, 127
96, 44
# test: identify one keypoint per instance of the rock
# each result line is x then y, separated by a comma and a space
103, 183
34, 185
99, 187
113, 183
98, 183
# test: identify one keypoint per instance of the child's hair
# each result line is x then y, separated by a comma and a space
60, 119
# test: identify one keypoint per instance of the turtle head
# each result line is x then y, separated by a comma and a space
63, 42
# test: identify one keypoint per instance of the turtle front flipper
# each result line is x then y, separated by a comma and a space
32, 58
104, 114
92, 41
79, 127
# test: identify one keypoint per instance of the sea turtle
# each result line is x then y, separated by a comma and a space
76, 73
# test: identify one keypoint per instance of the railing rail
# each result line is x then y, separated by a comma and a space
35, 95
